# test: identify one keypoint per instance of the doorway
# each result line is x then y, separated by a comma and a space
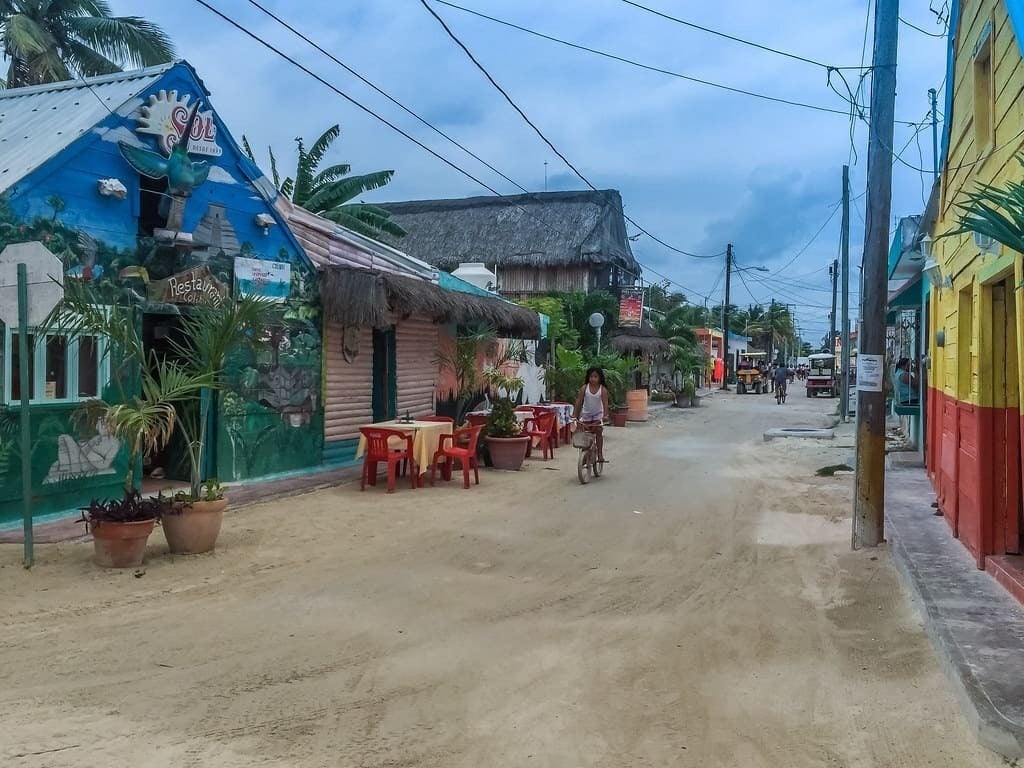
1009, 516
385, 376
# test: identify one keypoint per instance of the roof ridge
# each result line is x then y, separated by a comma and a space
481, 201
86, 82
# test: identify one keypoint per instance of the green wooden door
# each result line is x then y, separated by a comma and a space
385, 379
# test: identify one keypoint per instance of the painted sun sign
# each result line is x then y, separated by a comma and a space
165, 116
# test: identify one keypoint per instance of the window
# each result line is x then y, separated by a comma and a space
984, 93
59, 369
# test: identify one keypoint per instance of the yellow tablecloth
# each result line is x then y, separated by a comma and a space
425, 437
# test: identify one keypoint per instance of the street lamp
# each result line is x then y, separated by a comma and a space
729, 269
596, 321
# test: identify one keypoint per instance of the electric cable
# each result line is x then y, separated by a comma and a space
640, 65
537, 130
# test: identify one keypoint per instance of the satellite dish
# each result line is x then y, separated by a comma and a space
596, 320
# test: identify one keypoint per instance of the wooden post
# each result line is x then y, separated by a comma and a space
844, 390
26, 428
725, 318
869, 502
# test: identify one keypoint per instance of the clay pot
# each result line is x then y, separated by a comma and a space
120, 545
619, 416
194, 529
508, 452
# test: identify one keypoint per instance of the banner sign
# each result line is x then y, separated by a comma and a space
269, 279
631, 307
196, 286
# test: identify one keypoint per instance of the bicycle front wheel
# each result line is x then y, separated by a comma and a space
597, 467
583, 467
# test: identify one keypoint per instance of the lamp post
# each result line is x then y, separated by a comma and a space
596, 321
729, 269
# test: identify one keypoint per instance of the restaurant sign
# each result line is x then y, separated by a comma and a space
631, 307
165, 116
267, 279
196, 286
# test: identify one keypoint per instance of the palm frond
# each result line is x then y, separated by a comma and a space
331, 173
321, 145
248, 150
129, 39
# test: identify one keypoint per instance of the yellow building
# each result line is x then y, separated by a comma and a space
974, 307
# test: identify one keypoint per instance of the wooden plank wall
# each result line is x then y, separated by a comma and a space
348, 387
416, 342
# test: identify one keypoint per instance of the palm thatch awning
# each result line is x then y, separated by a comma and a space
361, 298
642, 340
540, 229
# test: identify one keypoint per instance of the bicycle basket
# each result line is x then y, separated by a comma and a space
582, 439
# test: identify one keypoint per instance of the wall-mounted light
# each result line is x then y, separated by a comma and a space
933, 271
264, 221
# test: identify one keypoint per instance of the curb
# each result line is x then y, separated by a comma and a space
992, 729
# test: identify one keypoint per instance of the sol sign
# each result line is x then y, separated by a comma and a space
165, 116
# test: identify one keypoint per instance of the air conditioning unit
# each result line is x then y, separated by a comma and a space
985, 243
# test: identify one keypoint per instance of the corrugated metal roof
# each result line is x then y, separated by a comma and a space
39, 121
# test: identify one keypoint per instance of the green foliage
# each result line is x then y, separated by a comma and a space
47, 41
463, 362
689, 389
564, 376
328, 192
132, 508
559, 331
501, 422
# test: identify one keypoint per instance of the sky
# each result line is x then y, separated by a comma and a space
697, 166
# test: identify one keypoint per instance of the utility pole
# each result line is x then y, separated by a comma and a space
833, 272
844, 239
869, 501
935, 135
725, 318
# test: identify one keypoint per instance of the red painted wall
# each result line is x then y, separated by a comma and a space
972, 460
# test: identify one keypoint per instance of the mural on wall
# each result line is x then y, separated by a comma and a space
182, 251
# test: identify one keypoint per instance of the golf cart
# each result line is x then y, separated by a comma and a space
748, 375
821, 375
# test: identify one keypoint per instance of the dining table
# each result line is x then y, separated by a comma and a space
426, 436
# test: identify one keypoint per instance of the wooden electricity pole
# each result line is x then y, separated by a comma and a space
725, 318
844, 390
869, 502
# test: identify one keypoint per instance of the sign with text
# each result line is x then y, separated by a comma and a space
268, 279
870, 373
196, 286
165, 116
631, 307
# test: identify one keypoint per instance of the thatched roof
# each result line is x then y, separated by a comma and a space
544, 229
643, 339
361, 298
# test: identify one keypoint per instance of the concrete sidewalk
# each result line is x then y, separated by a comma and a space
976, 626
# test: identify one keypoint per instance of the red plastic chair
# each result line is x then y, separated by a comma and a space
476, 420
463, 447
540, 428
555, 436
378, 448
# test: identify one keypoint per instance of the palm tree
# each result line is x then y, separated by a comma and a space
327, 192
997, 212
52, 40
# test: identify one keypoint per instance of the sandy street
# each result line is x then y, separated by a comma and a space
696, 606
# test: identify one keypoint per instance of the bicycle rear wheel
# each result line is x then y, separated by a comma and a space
597, 467
583, 467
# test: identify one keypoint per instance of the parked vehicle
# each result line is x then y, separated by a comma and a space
821, 375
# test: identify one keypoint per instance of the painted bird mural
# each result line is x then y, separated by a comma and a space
182, 174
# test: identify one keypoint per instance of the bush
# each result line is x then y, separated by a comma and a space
502, 420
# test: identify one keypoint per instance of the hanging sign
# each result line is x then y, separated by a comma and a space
196, 286
870, 373
631, 307
268, 279
165, 116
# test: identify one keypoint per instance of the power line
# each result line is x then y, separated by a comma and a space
813, 238
537, 130
733, 38
345, 96
386, 122
944, 33
640, 65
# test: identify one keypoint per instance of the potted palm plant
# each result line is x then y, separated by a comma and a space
141, 414
191, 520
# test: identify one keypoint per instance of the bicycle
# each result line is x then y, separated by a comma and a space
587, 464
780, 393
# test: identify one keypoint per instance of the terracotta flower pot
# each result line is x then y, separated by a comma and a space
619, 416
195, 528
507, 452
120, 545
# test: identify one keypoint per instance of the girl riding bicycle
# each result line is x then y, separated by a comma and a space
592, 407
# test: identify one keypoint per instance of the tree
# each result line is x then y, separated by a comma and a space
48, 41
327, 192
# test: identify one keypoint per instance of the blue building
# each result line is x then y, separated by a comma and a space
82, 170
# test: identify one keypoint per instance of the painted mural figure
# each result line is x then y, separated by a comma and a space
84, 458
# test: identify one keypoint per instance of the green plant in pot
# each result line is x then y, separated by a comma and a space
210, 333
505, 443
